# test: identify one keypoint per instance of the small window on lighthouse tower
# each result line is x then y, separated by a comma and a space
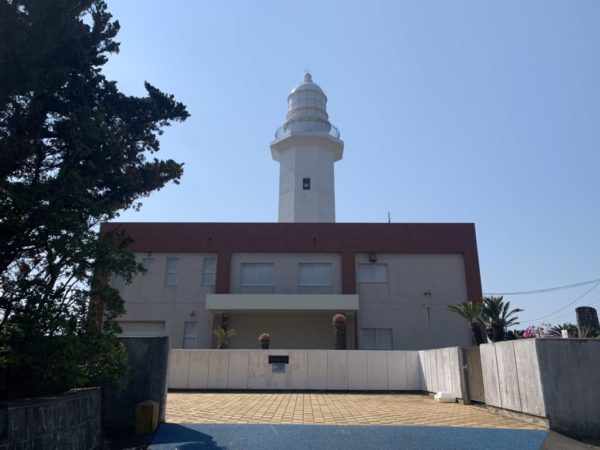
306, 184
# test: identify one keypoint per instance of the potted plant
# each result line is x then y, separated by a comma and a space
264, 339
339, 332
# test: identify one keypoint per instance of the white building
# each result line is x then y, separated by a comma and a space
393, 282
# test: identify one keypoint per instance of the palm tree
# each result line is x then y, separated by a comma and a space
223, 336
498, 316
472, 311
555, 330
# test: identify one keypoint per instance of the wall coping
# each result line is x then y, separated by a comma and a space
32, 401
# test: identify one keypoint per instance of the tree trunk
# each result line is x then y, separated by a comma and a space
477, 334
497, 333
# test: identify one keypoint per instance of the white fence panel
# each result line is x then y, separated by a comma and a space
429, 370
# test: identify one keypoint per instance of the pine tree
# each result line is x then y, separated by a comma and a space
74, 151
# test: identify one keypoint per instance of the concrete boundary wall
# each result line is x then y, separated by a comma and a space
345, 370
511, 377
553, 380
441, 370
147, 380
570, 374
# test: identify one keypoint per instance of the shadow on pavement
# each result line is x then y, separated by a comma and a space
125, 439
188, 437
556, 441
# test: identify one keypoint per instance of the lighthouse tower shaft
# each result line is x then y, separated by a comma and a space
306, 147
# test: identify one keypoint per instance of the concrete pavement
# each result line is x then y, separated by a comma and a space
349, 421
307, 408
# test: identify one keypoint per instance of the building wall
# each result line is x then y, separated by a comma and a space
149, 299
414, 302
286, 267
287, 330
344, 238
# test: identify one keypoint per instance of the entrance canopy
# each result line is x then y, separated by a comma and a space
281, 302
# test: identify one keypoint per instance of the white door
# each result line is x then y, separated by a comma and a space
190, 335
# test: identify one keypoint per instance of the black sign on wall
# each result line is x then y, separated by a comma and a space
278, 359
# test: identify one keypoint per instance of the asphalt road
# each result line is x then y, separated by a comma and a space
347, 437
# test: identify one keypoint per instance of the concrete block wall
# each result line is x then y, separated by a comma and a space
70, 420
317, 370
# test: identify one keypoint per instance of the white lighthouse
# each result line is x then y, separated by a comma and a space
307, 146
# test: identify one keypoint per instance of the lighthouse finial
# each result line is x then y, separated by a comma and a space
307, 75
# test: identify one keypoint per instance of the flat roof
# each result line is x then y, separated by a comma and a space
298, 237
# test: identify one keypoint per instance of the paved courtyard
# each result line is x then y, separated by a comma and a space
330, 409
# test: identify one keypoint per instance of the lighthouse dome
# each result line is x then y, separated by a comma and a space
307, 85
307, 110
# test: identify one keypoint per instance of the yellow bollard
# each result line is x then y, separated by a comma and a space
146, 417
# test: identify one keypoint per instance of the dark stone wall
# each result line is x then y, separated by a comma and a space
147, 380
67, 421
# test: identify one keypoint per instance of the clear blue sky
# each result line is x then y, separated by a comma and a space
451, 111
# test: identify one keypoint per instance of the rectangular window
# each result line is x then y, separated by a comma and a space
148, 264
190, 335
209, 271
306, 184
257, 274
376, 339
372, 273
171, 275
317, 274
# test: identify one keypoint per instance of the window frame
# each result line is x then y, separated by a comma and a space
151, 267
313, 283
257, 283
372, 277
171, 273
213, 273
377, 340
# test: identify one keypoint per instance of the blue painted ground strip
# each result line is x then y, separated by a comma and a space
347, 437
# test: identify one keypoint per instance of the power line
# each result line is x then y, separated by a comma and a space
567, 305
541, 291
571, 312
